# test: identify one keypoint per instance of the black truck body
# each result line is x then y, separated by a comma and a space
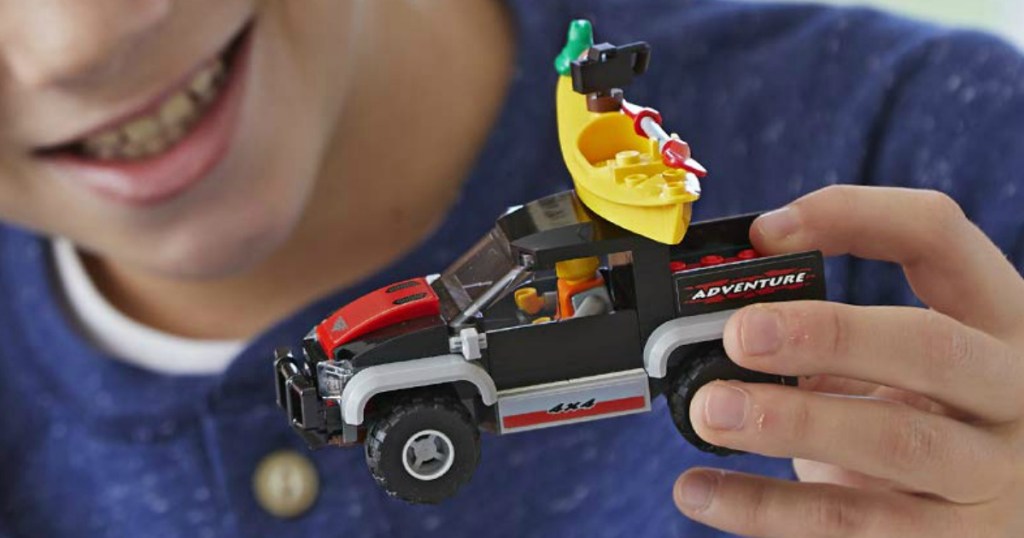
459, 338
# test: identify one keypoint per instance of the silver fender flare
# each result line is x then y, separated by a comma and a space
374, 380
676, 333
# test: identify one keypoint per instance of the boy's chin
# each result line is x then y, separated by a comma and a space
215, 263
217, 253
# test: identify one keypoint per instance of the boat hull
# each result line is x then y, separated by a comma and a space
618, 174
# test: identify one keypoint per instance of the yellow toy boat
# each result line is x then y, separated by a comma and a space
619, 174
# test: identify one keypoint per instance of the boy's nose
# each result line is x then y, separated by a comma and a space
54, 42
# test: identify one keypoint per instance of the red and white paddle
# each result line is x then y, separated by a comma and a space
674, 152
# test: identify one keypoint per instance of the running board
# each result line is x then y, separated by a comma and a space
572, 401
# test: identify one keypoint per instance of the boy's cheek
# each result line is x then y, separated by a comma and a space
23, 200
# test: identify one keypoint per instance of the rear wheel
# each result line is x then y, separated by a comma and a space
707, 365
424, 449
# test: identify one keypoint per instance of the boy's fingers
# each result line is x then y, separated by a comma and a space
952, 266
827, 473
915, 349
875, 437
764, 507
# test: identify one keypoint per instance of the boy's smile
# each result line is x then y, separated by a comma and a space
179, 136
163, 148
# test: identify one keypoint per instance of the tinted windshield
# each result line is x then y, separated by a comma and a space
474, 273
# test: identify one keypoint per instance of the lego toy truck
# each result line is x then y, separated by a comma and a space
416, 370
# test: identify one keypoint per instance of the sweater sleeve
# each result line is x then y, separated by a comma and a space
954, 122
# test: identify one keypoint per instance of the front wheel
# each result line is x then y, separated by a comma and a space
424, 449
703, 367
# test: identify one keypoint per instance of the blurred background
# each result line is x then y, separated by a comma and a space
1003, 17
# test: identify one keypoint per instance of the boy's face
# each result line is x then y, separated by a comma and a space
182, 136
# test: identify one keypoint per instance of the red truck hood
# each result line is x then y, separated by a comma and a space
403, 301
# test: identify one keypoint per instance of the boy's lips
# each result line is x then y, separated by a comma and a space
166, 148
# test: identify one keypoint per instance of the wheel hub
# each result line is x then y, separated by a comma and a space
428, 455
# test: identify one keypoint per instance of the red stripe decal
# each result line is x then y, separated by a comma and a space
601, 408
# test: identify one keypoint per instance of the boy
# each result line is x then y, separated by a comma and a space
220, 168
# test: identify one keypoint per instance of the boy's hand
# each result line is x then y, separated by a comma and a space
908, 422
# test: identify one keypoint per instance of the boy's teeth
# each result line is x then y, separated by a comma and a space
141, 131
178, 109
204, 86
158, 132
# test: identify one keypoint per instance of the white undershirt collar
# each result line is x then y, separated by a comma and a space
128, 340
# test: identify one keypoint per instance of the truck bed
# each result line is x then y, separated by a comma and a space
715, 269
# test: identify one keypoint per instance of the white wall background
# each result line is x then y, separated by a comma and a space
1004, 17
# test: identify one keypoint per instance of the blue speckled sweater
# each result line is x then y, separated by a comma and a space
776, 100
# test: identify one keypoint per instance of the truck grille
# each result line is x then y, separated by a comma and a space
296, 393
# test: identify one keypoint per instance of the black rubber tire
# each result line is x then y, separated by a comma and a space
706, 365
407, 418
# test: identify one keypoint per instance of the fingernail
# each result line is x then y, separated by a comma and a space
695, 490
725, 407
760, 331
779, 224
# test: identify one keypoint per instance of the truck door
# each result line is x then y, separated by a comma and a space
533, 353
561, 350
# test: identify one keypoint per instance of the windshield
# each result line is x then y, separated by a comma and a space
472, 275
